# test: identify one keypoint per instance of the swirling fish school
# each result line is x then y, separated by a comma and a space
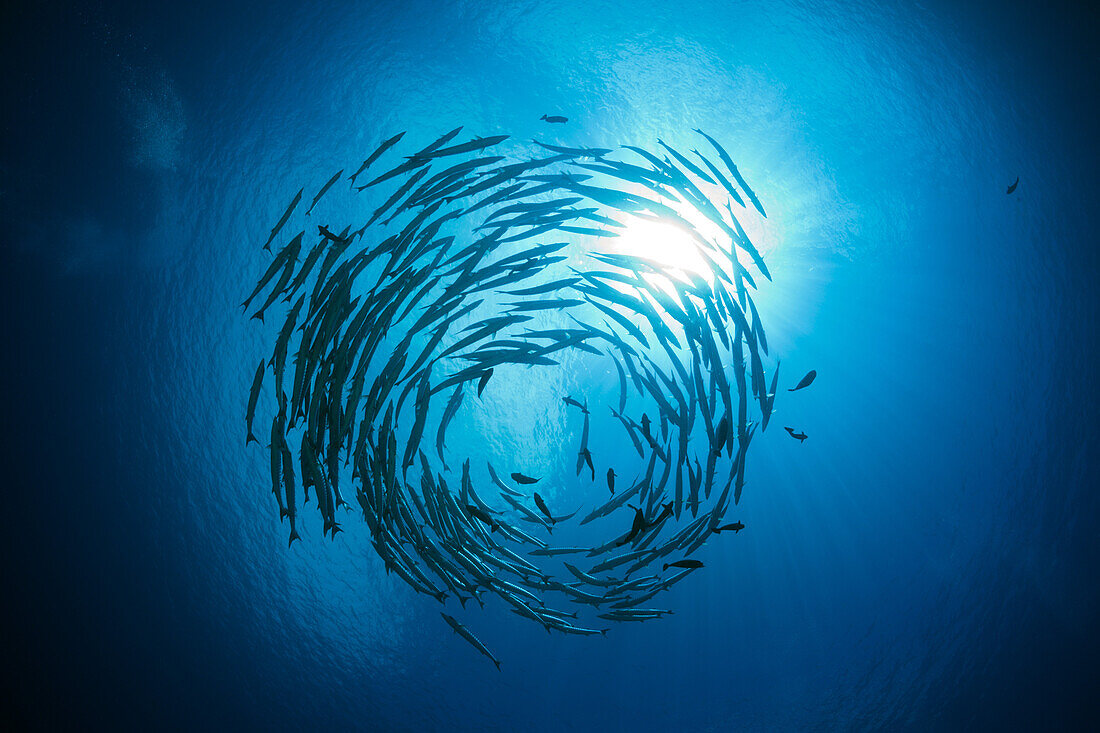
440, 288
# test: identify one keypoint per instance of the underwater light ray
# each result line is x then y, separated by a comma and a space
499, 261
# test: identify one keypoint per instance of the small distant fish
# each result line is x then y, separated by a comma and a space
253, 396
689, 564
570, 401
611, 480
324, 189
325, 232
282, 220
806, 381
482, 515
639, 525
587, 456
554, 119
797, 436
736, 527
483, 381
543, 508
1013, 186
473, 640
519, 478
375, 155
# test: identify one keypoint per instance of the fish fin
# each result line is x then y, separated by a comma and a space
293, 536
497, 664
258, 314
251, 438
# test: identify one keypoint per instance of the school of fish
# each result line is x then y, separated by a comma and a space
486, 255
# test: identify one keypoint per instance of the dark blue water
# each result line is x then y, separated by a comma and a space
926, 560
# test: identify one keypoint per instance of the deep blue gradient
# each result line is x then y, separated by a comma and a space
928, 559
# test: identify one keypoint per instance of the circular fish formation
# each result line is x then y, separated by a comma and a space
484, 256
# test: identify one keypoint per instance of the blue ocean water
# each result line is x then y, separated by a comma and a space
927, 559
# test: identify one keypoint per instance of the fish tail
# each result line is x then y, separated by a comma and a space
293, 536
251, 438
497, 664
258, 314
665, 566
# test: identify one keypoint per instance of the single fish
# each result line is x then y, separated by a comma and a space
481, 515
324, 190
327, 234
253, 397
386, 145
483, 381
449, 412
611, 480
283, 219
474, 641
721, 435
558, 119
736, 527
806, 381
476, 144
440, 142
519, 478
797, 436
1013, 186
586, 455
689, 564
543, 508
636, 528
572, 402
288, 480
